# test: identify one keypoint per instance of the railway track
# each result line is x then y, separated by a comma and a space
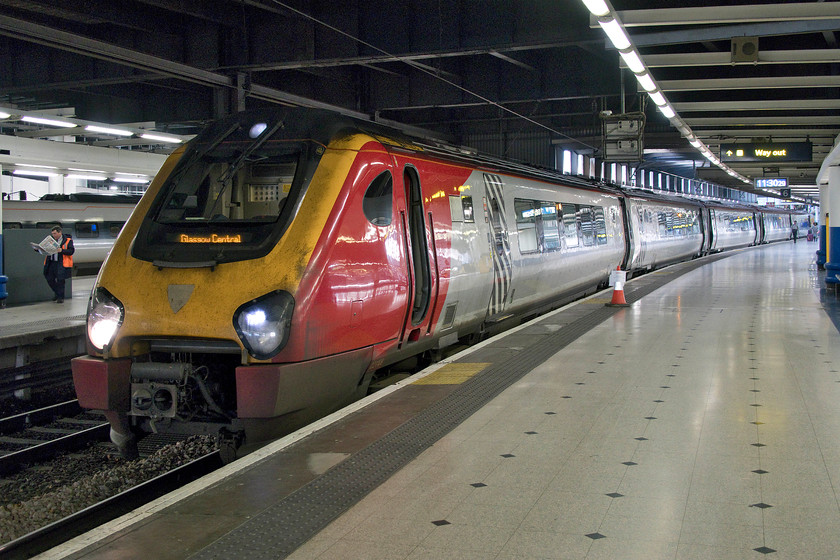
36, 376
44, 433
90, 517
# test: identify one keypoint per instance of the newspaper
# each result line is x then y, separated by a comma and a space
48, 246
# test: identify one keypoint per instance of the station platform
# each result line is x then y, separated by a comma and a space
34, 321
702, 421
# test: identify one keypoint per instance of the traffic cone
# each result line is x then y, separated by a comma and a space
618, 291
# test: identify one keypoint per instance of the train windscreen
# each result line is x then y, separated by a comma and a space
230, 197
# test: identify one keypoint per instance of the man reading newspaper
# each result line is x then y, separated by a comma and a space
58, 263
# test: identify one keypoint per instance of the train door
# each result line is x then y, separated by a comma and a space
499, 246
423, 283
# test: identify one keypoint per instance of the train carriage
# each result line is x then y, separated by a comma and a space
283, 257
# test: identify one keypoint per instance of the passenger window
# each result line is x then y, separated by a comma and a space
86, 229
12, 225
550, 227
114, 228
526, 224
600, 225
587, 226
570, 224
467, 204
377, 204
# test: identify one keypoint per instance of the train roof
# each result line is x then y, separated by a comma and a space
115, 198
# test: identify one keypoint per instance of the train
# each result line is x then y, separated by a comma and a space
283, 258
93, 220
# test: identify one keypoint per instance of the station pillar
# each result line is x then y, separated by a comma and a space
832, 237
823, 223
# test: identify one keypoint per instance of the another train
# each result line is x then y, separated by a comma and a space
93, 220
282, 258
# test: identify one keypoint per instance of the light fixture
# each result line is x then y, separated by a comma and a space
658, 98
160, 138
4, 115
138, 180
47, 122
85, 170
646, 82
33, 173
615, 33
696, 143
634, 63
597, 7
107, 130
86, 177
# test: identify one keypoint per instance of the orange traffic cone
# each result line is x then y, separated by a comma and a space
618, 278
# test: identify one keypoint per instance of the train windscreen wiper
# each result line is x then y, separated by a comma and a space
237, 164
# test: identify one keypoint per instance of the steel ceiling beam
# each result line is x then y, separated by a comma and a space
780, 82
758, 105
689, 60
727, 32
717, 15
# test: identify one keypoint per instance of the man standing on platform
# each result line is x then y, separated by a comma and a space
794, 229
59, 266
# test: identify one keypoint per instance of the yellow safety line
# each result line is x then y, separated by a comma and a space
452, 374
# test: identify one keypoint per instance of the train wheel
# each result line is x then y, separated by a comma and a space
229, 444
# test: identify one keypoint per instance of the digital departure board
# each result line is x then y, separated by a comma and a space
766, 153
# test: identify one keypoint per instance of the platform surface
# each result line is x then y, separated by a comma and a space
701, 422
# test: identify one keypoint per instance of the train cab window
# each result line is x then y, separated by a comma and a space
12, 225
526, 224
377, 204
86, 230
570, 224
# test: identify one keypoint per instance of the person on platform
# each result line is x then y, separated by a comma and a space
58, 267
794, 229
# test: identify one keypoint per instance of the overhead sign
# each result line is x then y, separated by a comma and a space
766, 153
771, 183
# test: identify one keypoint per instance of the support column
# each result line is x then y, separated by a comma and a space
822, 221
832, 265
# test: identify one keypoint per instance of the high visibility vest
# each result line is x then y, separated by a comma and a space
66, 260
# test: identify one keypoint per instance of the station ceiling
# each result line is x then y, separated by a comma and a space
461, 69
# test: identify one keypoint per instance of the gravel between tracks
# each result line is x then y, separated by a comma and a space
38, 496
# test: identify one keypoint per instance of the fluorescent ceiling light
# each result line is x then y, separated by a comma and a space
38, 166
4, 115
48, 122
634, 63
615, 33
658, 98
85, 170
86, 177
160, 138
33, 173
695, 143
107, 130
130, 180
597, 7
646, 82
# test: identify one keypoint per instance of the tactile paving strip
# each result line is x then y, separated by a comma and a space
283, 527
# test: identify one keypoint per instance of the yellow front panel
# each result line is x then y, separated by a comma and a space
217, 293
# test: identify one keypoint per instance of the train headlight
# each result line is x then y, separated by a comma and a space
263, 323
105, 315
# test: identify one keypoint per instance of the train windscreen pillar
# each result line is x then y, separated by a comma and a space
832, 265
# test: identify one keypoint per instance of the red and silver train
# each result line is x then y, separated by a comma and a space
282, 258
